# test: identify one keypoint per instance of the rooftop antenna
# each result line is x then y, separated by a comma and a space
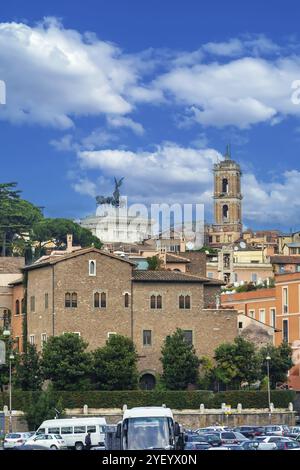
228, 152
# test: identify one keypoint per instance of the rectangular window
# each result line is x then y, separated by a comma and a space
285, 300
235, 277
31, 339
262, 315
273, 317
147, 338
91, 429
53, 430
240, 325
210, 275
252, 314
103, 300
43, 338
66, 430
111, 333
79, 429
254, 277
285, 331
46, 300
188, 336
17, 343
32, 303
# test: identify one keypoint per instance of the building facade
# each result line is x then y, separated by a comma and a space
96, 294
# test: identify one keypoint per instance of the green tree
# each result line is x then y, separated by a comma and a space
66, 363
46, 406
115, 365
237, 362
154, 263
56, 230
17, 217
28, 374
206, 374
179, 361
280, 363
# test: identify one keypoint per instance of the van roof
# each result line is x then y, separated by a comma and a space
148, 411
70, 421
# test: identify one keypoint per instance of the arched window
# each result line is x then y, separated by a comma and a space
92, 268
23, 305
103, 300
187, 302
96, 300
225, 211
153, 301
184, 301
17, 307
67, 300
126, 300
225, 186
159, 301
74, 300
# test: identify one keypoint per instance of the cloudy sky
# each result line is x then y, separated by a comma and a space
152, 91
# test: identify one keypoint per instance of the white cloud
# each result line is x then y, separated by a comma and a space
85, 186
239, 92
121, 121
170, 172
54, 74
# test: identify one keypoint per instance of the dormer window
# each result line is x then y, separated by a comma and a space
92, 268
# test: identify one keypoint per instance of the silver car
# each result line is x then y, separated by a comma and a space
15, 439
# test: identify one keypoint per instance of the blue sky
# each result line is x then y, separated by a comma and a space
152, 91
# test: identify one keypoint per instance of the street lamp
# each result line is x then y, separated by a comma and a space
11, 358
268, 372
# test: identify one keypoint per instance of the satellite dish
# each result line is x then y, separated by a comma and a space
243, 245
236, 248
190, 245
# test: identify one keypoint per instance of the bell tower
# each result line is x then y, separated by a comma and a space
227, 198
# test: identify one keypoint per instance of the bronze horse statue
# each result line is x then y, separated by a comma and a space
115, 199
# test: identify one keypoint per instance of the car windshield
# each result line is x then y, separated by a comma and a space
148, 433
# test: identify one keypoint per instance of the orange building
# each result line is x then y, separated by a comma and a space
17, 314
278, 307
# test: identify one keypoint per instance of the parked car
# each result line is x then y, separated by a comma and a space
250, 431
15, 439
231, 437
234, 447
31, 447
276, 430
276, 439
212, 429
191, 439
287, 445
212, 438
51, 441
197, 446
250, 445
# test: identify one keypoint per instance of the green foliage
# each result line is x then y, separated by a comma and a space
56, 230
174, 399
280, 363
16, 219
4, 368
154, 263
115, 365
28, 375
66, 363
179, 361
206, 374
44, 407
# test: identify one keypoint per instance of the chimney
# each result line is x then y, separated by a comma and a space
182, 245
69, 243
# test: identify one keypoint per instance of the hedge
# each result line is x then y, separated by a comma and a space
178, 399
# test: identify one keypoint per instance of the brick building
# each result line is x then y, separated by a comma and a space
96, 294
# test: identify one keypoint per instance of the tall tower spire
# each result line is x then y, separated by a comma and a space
227, 226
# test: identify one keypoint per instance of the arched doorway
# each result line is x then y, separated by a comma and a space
147, 381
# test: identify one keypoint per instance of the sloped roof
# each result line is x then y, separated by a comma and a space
170, 258
11, 264
171, 276
281, 259
81, 252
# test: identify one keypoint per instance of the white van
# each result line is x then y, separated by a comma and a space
74, 430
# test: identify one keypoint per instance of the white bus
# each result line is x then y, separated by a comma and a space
74, 430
